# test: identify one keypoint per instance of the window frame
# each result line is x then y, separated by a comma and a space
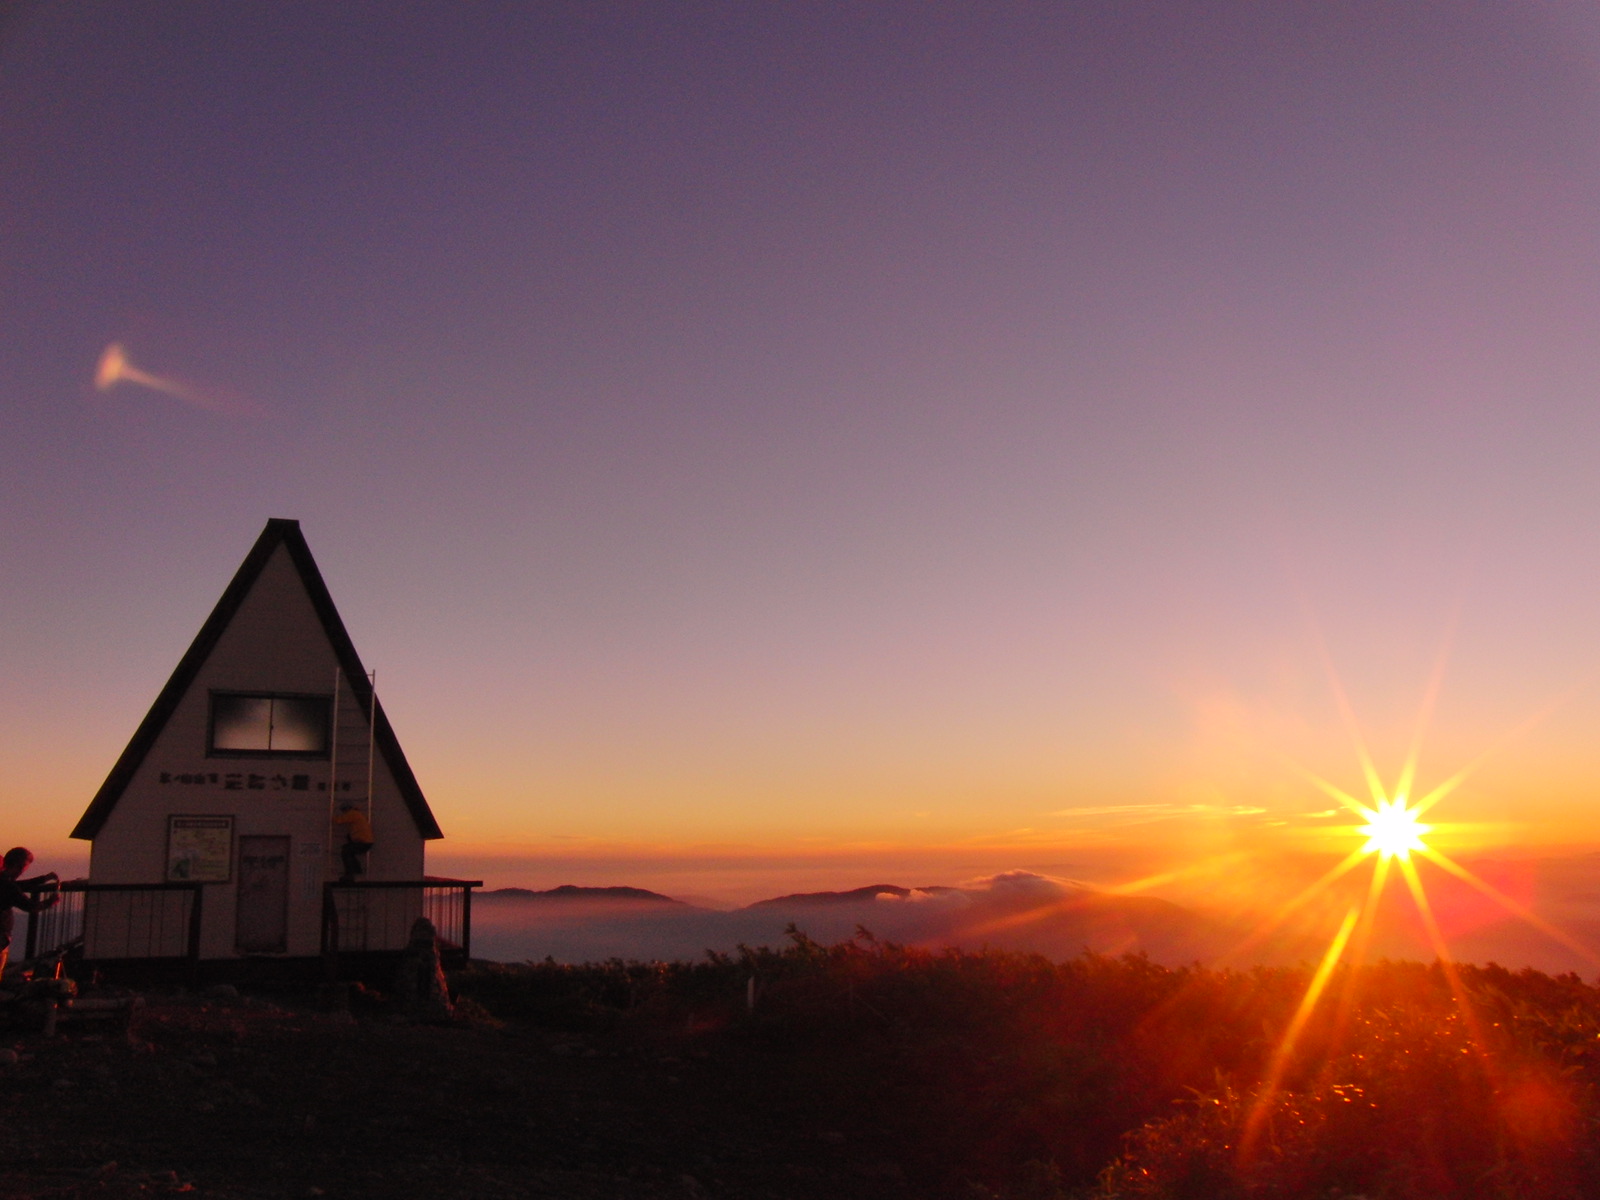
214, 751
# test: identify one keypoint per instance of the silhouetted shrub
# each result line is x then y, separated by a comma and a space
1026, 1077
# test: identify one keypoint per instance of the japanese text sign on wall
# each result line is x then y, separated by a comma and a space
249, 781
199, 849
241, 781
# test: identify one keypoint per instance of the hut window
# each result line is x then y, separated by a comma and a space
268, 724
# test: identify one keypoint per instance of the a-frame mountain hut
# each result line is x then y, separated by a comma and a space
214, 837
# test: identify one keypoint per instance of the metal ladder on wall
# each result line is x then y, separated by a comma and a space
350, 730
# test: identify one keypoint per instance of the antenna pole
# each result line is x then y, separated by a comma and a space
372, 735
333, 758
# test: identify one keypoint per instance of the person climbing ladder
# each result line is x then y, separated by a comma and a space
358, 840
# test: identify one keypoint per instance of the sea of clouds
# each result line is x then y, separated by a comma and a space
1062, 918
1015, 910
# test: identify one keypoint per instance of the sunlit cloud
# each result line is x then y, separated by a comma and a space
1159, 810
114, 368
1204, 868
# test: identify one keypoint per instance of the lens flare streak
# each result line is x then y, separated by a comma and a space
1291, 1035
1445, 863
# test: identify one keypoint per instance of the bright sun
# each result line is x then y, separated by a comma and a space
1393, 830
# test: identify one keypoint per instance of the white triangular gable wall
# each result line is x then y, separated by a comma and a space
274, 643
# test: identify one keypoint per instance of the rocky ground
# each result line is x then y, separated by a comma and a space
247, 1096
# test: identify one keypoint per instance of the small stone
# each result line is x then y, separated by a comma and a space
63, 1084
9, 1058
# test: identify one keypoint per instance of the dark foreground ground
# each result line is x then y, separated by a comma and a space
249, 1097
862, 1070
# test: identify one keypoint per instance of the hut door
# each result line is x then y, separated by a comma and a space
263, 922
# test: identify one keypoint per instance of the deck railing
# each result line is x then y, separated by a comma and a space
366, 916
123, 921
120, 921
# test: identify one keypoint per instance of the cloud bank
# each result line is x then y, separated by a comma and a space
1016, 910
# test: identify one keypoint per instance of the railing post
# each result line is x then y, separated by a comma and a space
330, 932
466, 924
33, 932
196, 908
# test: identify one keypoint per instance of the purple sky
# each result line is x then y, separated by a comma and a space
796, 430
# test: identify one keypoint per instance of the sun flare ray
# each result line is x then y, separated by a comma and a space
1527, 724
1358, 947
1446, 863
1430, 701
1207, 866
1369, 769
1430, 924
1291, 1035
1447, 962
1369, 910
1438, 793
1284, 911
1334, 792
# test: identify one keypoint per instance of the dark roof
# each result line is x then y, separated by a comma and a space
277, 533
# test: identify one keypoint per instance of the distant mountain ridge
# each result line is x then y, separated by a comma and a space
855, 895
1016, 910
571, 892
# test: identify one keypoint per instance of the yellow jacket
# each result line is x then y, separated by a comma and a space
357, 827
